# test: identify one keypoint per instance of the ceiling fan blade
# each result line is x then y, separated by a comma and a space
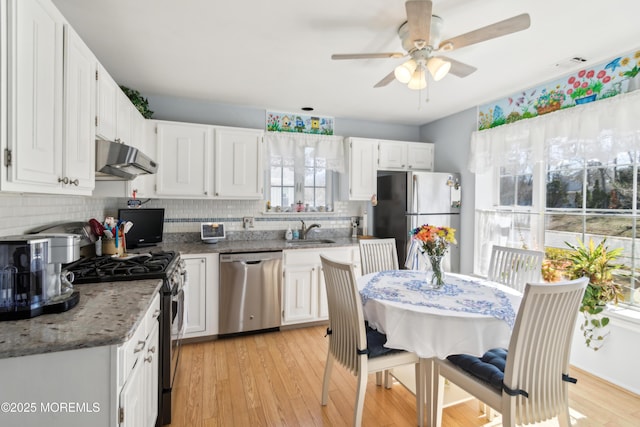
419, 20
386, 80
502, 28
458, 68
367, 55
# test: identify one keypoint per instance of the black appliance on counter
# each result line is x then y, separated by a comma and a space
165, 265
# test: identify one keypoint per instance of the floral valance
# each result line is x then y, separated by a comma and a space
591, 130
292, 145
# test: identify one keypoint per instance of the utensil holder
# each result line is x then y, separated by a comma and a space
109, 247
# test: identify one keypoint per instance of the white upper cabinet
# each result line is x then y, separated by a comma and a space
107, 105
238, 163
401, 155
362, 158
79, 103
184, 154
203, 161
48, 106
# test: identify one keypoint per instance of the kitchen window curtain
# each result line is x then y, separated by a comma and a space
588, 131
292, 146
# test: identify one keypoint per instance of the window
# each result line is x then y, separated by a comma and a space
566, 188
303, 169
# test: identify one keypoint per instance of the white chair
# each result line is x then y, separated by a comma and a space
529, 382
358, 350
515, 267
378, 255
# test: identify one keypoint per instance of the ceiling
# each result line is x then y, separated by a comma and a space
276, 54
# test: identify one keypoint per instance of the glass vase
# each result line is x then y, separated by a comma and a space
435, 274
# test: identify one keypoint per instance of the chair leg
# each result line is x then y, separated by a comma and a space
564, 419
420, 390
435, 387
360, 392
327, 377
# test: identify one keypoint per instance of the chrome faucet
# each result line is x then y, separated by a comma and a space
304, 230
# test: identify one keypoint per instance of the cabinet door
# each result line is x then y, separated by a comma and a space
420, 156
363, 156
392, 155
184, 156
35, 103
133, 398
300, 296
195, 295
107, 105
79, 110
124, 109
238, 163
152, 372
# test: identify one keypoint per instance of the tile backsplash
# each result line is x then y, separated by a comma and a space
21, 213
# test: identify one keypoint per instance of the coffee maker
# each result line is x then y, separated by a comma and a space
31, 278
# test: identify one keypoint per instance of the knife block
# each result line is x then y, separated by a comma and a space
109, 247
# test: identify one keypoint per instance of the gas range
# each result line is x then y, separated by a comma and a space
152, 265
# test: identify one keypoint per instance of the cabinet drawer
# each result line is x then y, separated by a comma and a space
129, 351
312, 256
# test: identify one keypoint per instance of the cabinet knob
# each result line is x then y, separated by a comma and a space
152, 349
148, 359
118, 141
75, 182
64, 180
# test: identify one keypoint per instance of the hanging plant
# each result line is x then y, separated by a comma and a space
139, 101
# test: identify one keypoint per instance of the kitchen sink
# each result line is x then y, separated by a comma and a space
310, 242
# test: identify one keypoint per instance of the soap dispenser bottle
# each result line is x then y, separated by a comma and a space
289, 234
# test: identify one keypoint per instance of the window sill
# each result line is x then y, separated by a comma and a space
624, 317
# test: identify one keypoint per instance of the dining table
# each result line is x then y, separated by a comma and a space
468, 314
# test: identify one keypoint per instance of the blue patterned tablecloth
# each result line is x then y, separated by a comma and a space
460, 294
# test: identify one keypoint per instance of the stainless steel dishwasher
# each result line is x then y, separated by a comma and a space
250, 286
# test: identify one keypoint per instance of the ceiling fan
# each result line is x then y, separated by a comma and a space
420, 36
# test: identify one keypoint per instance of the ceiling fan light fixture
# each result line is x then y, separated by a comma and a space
418, 79
438, 68
404, 71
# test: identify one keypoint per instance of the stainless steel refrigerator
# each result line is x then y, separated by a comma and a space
407, 200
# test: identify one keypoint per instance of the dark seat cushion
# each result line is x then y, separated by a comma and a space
375, 344
488, 368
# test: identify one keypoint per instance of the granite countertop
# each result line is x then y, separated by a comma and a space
108, 313
234, 246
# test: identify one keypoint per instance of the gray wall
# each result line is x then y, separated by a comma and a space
451, 136
206, 112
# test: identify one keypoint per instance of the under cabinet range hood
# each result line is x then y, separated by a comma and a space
116, 161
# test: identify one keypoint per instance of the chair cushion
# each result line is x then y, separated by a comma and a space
488, 368
375, 344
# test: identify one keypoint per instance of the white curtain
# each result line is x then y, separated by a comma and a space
587, 131
292, 145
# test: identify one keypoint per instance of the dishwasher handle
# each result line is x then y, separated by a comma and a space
251, 257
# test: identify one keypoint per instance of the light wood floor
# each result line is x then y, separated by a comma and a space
275, 379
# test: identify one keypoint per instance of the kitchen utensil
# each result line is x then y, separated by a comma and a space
108, 234
96, 227
127, 226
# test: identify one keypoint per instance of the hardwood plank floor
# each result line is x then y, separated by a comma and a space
275, 379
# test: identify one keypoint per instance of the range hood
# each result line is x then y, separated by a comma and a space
116, 161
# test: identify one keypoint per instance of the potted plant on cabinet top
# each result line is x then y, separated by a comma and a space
597, 263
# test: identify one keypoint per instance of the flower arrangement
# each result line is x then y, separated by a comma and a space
549, 101
585, 84
434, 240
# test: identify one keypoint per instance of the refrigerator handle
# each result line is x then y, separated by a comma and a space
414, 194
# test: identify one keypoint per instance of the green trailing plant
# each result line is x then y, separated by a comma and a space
596, 262
139, 101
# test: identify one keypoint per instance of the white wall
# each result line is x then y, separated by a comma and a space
451, 136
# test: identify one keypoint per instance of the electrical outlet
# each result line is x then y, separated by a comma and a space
247, 222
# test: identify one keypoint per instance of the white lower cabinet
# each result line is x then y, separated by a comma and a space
304, 296
138, 358
201, 294
107, 386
